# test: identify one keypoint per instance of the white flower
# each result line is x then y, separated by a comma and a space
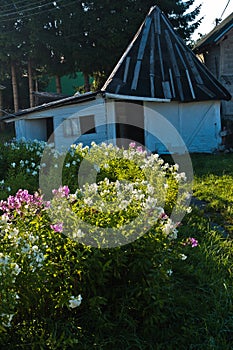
34, 173
169, 272
17, 269
173, 235
75, 301
188, 210
8, 318
183, 256
13, 165
67, 165
35, 248
88, 201
168, 227
26, 248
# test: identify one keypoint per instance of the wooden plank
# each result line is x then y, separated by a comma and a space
152, 85
190, 84
117, 88
166, 89
206, 90
194, 69
172, 83
172, 54
186, 70
157, 23
152, 63
136, 75
180, 56
174, 64
160, 57
141, 52
127, 62
144, 38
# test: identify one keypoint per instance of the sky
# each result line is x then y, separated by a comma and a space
211, 9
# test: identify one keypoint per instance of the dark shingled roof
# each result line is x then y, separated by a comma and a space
213, 37
158, 64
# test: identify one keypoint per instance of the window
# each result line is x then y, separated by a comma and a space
79, 126
71, 127
87, 124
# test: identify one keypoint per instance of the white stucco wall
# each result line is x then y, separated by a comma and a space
197, 124
34, 124
166, 125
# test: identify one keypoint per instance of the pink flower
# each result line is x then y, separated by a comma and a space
192, 241
132, 144
63, 191
57, 227
140, 149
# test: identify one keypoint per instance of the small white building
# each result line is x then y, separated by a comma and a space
159, 95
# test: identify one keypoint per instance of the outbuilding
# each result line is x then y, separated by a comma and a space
159, 95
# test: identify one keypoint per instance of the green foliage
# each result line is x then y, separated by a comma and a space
213, 183
65, 37
153, 293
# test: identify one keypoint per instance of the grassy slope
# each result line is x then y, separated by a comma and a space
213, 182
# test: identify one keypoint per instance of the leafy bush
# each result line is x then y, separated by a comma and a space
161, 290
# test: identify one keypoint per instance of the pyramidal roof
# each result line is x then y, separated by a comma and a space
159, 65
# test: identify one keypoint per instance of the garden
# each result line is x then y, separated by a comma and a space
102, 248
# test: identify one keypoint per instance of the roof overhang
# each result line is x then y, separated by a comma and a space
51, 105
135, 98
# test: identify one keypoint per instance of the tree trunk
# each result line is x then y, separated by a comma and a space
1, 103
2, 124
30, 83
14, 87
58, 84
86, 82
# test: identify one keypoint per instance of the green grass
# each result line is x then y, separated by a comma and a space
213, 183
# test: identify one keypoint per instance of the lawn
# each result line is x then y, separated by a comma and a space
169, 289
213, 183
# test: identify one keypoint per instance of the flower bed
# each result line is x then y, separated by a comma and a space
98, 262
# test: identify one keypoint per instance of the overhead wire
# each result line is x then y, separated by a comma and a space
225, 8
36, 13
15, 4
21, 10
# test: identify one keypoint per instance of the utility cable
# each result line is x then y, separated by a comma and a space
15, 18
225, 8
27, 10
